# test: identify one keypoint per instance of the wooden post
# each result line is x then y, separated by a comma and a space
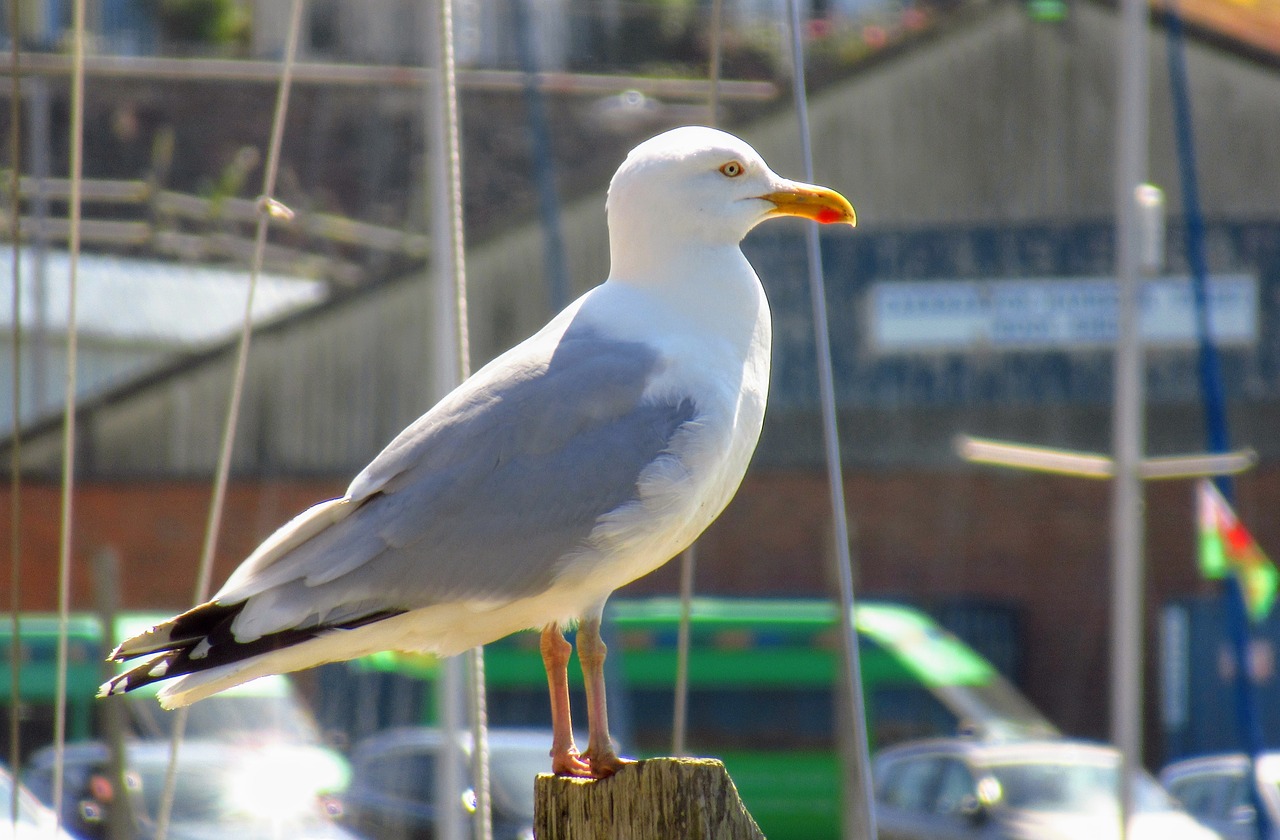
657, 799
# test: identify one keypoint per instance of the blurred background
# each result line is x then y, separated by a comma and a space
977, 140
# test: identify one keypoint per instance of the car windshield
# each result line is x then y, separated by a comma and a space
1268, 770
28, 810
512, 774
234, 717
1075, 787
223, 793
995, 709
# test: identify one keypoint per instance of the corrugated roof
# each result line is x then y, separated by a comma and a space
143, 301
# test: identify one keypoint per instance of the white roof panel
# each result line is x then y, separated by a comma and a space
148, 301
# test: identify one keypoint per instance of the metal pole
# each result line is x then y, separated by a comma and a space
689, 557
860, 821
680, 711
1127, 520
106, 574
553, 263
1249, 727
15, 456
715, 61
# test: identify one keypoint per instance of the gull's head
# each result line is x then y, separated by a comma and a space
703, 185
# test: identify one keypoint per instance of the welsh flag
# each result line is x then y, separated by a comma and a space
1225, 546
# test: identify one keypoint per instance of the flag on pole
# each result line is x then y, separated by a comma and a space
1226, 547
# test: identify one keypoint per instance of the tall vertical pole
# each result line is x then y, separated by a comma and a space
1218, 439
1127, 519
553, 261
112, 710
689, 557
15, 430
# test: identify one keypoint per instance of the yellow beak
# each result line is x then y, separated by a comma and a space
811, 202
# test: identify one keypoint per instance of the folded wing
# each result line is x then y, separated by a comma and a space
483, 498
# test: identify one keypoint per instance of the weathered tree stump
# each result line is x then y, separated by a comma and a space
657, 799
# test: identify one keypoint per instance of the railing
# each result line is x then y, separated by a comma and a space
212, 229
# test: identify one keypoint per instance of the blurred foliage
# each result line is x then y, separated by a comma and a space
208, 22
670, 38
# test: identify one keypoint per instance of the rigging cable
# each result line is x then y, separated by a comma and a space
861, 806
69, 424
449, 232
268, 208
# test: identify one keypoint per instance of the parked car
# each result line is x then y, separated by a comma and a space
222, 790
392, 795
32, 821
953, 788
1214, 790
264, 710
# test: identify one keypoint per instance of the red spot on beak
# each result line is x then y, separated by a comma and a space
826, 216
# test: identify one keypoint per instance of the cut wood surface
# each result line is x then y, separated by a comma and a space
656, 799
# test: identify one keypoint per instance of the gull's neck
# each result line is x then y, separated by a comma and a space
688, 273
703, 290
666, 257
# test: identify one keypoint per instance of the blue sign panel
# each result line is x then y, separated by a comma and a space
1010, 316
1051, 313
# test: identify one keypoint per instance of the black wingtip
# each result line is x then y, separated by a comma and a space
153, 670
181, 631
202, 639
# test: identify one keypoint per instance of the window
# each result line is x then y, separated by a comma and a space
1209, 795
909, 784
404, 775
956, 788
902, 712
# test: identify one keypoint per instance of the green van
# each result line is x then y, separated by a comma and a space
762, 692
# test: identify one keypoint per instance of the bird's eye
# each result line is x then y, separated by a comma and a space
732, 169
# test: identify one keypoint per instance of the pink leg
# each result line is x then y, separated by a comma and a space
591, 653
555, 657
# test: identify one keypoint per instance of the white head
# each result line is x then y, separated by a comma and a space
697, 185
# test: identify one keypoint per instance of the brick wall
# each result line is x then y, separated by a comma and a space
1039, 543
157, 528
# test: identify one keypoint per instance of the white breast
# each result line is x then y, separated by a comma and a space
718, 355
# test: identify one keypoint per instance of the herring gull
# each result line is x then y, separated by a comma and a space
574, 463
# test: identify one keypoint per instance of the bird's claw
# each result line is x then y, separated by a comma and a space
604, 763
593, 764
568, 763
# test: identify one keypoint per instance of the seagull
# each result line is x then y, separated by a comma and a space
581, 459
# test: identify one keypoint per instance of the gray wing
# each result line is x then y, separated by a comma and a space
486, 494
